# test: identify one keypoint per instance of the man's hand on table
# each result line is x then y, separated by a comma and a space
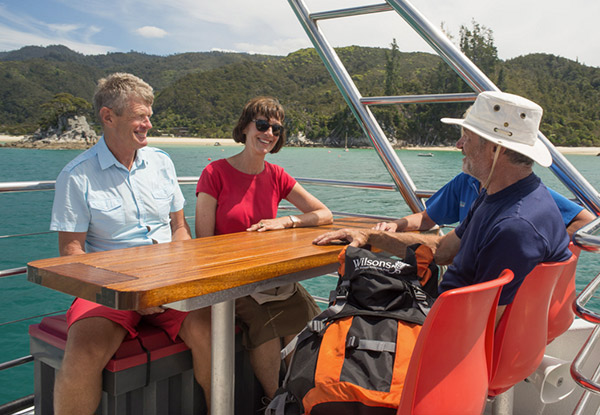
356, 237
386, 226
151, 310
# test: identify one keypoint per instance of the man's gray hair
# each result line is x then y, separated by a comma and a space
513, 156
117, 89
518, 158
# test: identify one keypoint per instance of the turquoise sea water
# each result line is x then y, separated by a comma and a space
30, 212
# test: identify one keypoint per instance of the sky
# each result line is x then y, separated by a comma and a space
565, 28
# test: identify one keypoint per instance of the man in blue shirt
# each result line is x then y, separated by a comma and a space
452, 202
514, 222
118, 194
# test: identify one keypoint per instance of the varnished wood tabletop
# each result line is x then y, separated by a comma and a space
153, 275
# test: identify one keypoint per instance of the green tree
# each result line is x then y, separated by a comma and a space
63, 105
391, 69
478, 45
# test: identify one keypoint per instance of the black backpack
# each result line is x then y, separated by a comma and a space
348, 359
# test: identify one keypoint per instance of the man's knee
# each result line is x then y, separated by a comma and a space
93, 341
195, 329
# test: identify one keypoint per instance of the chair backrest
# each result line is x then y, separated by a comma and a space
449, 368
522, 333
560, 314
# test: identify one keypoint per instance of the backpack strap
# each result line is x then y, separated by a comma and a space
421, 298
338, 298
340, 294
277, 404
318, 324
372, 345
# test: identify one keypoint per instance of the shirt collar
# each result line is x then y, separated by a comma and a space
524, 186
107, 159
140, 161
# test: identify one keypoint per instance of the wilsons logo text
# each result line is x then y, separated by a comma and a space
394, 267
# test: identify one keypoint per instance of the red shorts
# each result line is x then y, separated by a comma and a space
170, 321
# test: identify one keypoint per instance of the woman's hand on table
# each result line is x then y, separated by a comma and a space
270, 224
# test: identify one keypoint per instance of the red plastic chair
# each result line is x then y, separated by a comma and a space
561, 315
449, 367
522, 333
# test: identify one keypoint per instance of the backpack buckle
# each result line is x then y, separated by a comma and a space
316, 326
352, 342
420, 295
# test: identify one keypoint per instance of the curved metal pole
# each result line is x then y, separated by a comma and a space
440, 43
591, 384
471, 74
588, 237
364, 116
572, 179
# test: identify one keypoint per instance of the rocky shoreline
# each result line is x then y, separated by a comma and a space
69, 132
19, 142
41, 145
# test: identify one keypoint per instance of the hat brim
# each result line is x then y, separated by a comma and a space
538, 152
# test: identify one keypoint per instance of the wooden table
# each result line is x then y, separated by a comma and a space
191, 274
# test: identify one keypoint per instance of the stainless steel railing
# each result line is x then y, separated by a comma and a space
7, 187
591, 383
49, 185
352, 96
32, 186
452, 55
11, 187
588, 238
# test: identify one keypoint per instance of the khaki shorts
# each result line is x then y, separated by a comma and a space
263, 322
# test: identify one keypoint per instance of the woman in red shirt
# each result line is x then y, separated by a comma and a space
242, 193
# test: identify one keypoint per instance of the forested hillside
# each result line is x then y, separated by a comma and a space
33, 75
201, 94
568, 91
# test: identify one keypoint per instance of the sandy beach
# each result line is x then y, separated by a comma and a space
194, 141
9, 138
157, 140
229, 142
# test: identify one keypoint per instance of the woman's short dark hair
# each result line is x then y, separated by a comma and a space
267, 107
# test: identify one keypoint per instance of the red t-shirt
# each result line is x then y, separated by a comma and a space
243, 199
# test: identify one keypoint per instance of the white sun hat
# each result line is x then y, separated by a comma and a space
508, 120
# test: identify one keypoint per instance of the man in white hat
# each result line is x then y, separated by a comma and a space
514, 223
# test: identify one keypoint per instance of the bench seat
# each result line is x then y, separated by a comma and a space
148, 375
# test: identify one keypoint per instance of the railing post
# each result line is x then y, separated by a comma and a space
223, 358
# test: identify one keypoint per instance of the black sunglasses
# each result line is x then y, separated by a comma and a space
263, 125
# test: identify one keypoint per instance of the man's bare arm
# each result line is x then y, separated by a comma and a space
444, 247
583, 218
180, 230
71, 243
447, 248
419, 221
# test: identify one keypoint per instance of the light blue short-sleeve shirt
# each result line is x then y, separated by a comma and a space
118, 208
